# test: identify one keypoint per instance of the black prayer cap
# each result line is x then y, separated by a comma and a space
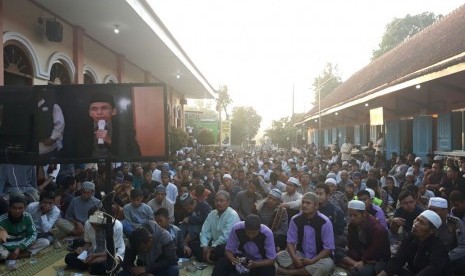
17, 199
102, 97
252, 222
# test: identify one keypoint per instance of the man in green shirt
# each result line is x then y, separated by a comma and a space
17, 230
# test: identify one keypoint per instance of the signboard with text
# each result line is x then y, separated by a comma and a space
225, 133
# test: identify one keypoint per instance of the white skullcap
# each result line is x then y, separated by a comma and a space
207, 159
418, 159
276, 193
228, 176
294, 181
437, 202
372, 193
345, 163
356, 205
331, 175
438, 158
330, 181
290, 160
409, 173
432, 217
188, 160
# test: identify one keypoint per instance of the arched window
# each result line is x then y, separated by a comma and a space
17, 66
88, 78
59, 74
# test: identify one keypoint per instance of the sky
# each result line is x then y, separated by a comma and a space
263, 50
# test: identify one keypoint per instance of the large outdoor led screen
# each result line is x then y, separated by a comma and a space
87, 123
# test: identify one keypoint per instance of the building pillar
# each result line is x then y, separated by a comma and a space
78, 54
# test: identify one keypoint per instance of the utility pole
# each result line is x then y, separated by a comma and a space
293, 101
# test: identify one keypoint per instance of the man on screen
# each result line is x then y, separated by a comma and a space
110, 139
51, 125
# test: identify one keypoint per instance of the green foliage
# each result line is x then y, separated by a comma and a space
327, 81
178, 139
206, 137
401, 29
245, 123
283, 133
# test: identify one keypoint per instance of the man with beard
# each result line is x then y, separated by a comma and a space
95, 245
77, 212
367, 242
216, 229
451, 232
274, 217
422, 251
292, 200
310, 242
17, 230
244, 203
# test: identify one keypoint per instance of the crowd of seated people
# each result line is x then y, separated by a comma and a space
259, 212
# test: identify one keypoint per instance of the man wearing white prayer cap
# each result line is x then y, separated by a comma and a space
423, 251
452, 234
292, 199
367, 243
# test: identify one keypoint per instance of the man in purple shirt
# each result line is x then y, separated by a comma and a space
250, 247
310, 242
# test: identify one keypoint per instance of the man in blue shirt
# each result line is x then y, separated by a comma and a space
216, 228
136, 213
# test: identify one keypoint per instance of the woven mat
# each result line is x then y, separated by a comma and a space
45, 259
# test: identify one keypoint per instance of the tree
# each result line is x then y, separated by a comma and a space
223, 100
206, 137
178, 139
327, 81
283, 133
401, 29
245, 123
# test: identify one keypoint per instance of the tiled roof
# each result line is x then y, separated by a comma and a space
442, 40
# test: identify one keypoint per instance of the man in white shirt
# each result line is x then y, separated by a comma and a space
95, 246
52, 126
44, 215
265, 172
291, 198
171, 189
